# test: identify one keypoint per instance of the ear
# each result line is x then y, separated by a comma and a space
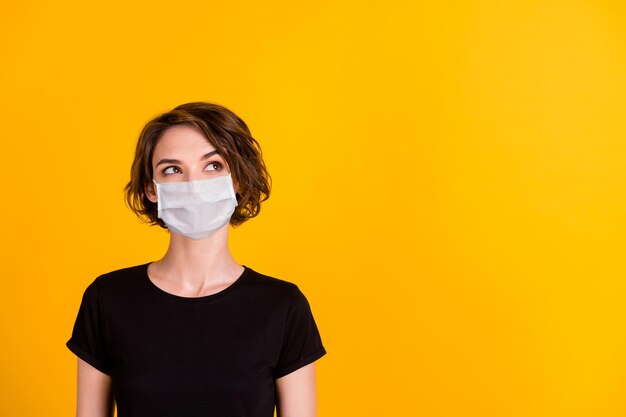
150, 189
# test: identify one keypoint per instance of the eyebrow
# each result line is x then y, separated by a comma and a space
176, 161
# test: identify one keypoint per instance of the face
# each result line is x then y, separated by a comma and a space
183, 153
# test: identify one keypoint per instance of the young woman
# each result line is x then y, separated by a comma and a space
195, 333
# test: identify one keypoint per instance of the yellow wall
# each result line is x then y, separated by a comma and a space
449, 188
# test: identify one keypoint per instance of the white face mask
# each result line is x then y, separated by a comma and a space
197, 208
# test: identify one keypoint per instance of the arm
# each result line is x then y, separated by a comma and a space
94, 394
296, 395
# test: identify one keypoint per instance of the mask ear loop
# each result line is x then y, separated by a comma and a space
234, 195
158, 194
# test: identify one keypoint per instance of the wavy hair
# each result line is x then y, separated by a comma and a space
228, 133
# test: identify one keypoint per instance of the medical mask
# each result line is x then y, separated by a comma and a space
197, 208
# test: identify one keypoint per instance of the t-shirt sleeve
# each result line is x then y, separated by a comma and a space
301, 342
87, 340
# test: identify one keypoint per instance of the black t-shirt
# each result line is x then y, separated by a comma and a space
216, 355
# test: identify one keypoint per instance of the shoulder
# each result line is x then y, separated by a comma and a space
279, 290
120, 279
273, 283
270, 282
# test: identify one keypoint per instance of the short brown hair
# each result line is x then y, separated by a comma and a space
232, 139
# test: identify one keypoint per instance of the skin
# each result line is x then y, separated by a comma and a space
193, 268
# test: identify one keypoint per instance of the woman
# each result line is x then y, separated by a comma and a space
195, 333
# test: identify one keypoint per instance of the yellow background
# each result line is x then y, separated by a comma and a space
449, 188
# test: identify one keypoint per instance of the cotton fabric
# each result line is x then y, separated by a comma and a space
216, 355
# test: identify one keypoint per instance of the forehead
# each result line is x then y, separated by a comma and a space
182, 141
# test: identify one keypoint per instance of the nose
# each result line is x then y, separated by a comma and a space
193, 175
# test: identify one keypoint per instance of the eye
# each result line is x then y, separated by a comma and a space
170, 167
216, 166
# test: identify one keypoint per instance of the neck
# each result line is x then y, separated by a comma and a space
196, 263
